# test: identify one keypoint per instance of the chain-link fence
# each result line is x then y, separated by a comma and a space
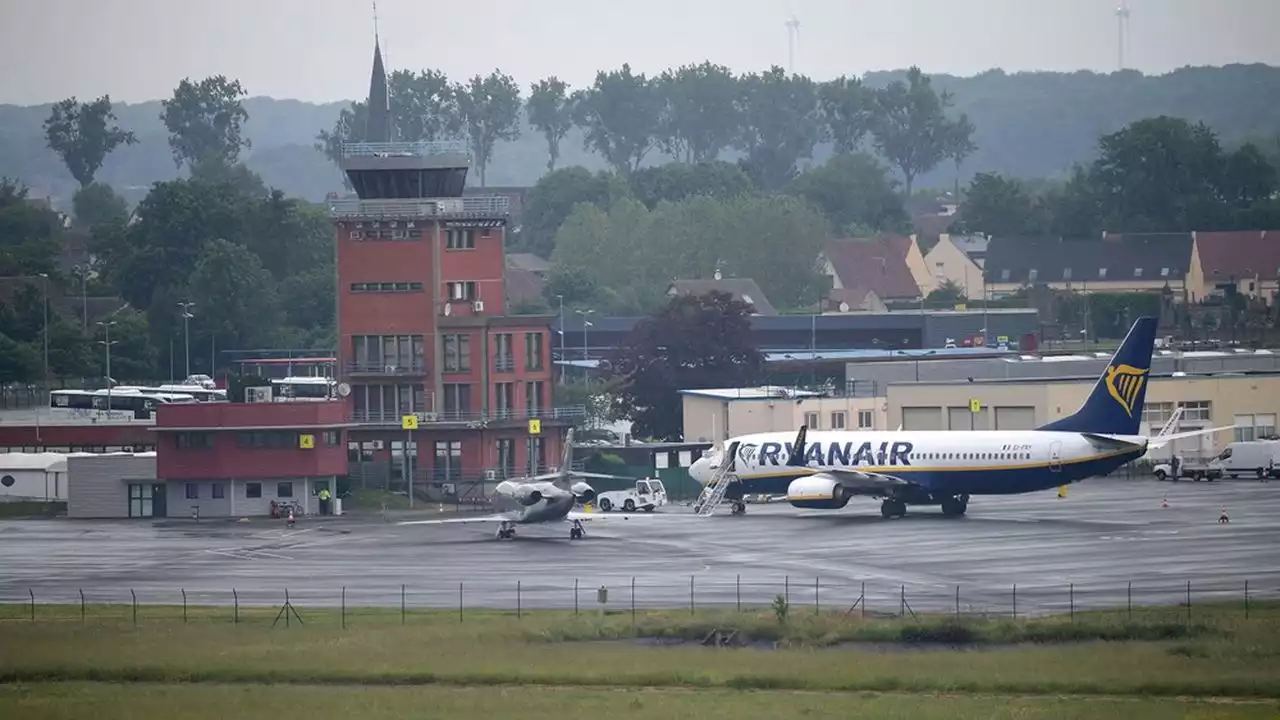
870, 598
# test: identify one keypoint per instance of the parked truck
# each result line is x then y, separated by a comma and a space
1258, 458
647, 495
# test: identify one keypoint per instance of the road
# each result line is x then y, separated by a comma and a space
1109, 540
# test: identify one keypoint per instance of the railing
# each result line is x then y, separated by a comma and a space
382, 417
494, 206
406, 149
414, 366
504, 364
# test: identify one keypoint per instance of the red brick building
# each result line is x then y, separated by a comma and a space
233, 459
422, 328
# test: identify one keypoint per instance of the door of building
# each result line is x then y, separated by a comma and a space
139, 500
159, 496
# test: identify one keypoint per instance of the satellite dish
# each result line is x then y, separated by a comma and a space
844, 306
448, 309
344, 389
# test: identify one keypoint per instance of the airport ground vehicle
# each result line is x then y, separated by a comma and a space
1195, 471
1258, 458
648, 495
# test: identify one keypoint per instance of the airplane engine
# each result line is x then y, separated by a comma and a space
818, 492
583, 493
531, 498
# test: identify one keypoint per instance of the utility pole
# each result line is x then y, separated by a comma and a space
585, 324
186, 330
106, 343
45, 278
562, 357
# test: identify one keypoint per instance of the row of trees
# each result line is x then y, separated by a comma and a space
1159, 174
694, 114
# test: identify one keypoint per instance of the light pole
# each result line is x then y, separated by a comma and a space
186, 331
106, 343
562, 357
586, 377
45, 284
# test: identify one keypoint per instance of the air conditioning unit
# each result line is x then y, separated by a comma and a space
478, 306
490, 475
257, 394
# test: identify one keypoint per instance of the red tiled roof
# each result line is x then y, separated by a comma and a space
858, 263
1247, 253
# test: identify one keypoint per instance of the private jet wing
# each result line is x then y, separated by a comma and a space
501, 517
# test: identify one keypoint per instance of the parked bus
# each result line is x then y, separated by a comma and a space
200, 393
86, 403
303, 388
280, 368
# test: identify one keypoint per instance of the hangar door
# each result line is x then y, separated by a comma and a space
1015, 418
961, 418
921, 418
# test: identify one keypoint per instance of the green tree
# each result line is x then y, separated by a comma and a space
995, 205
781, 124
1158, 175
673, 182
550, 111
620, 116
700, 114
29, 233
424, 106
693, 342
205, 121
97, 204
572, 283
910, 126
84, 134
848, 108
853, 191
553, 197
348, 128
1248, 178
133, 355
490, 111
19, 361
234, 295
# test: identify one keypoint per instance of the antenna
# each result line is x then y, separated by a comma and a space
793, 38
375, 22
1122, 29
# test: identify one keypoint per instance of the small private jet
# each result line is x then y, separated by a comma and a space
539, 500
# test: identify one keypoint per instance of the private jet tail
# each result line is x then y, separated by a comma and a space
1115, 405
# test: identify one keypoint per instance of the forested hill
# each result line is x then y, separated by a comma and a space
1028, 125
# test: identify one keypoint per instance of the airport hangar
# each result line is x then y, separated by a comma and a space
1015, 392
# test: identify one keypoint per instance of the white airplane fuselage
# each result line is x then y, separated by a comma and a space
933, 463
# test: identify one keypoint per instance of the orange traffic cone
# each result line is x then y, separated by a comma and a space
290, 521
1223, 517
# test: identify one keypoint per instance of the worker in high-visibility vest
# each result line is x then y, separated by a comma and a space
324, 501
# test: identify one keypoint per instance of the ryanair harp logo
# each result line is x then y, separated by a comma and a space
1124, 382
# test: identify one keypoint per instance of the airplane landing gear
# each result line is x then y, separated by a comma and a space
892, 507
955, 506
739, 508
577, 532
506, 531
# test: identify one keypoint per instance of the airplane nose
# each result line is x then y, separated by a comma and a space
700, 470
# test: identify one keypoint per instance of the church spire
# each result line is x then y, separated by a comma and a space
378, 118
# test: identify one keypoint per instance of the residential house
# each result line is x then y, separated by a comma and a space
526, 277
973, 246
855, 299
1110, 263
951, 264
1250, 260
891, 266
744, 289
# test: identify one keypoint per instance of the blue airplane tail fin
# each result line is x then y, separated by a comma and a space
1115, 405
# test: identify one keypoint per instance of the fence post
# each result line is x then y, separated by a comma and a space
1015, 601
902, 598
1071, 594
519, 609
575, 596
1128, 599
33, 603
184, 606
737, 587
862, 599
816, 585
135, 607
402, 607
1188, 602
786, 589
344, 607
235, 607
459, 602
82, 606
957, 602
633, 603
690, 594
1246, 599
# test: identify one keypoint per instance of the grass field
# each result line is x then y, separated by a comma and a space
1158, 664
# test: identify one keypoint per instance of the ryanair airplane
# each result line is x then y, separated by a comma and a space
825, 469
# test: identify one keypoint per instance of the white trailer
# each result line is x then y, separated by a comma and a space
647, 495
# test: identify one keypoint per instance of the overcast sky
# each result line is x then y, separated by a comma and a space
319, 50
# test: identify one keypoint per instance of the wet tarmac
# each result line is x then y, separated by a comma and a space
1106, 544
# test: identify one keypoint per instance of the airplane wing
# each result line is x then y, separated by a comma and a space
589, 516
461, 520
1161, 441
859, 480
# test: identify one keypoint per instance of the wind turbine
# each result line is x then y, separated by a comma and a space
793, 38
1122, 28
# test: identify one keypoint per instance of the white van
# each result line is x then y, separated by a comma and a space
1252, 457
